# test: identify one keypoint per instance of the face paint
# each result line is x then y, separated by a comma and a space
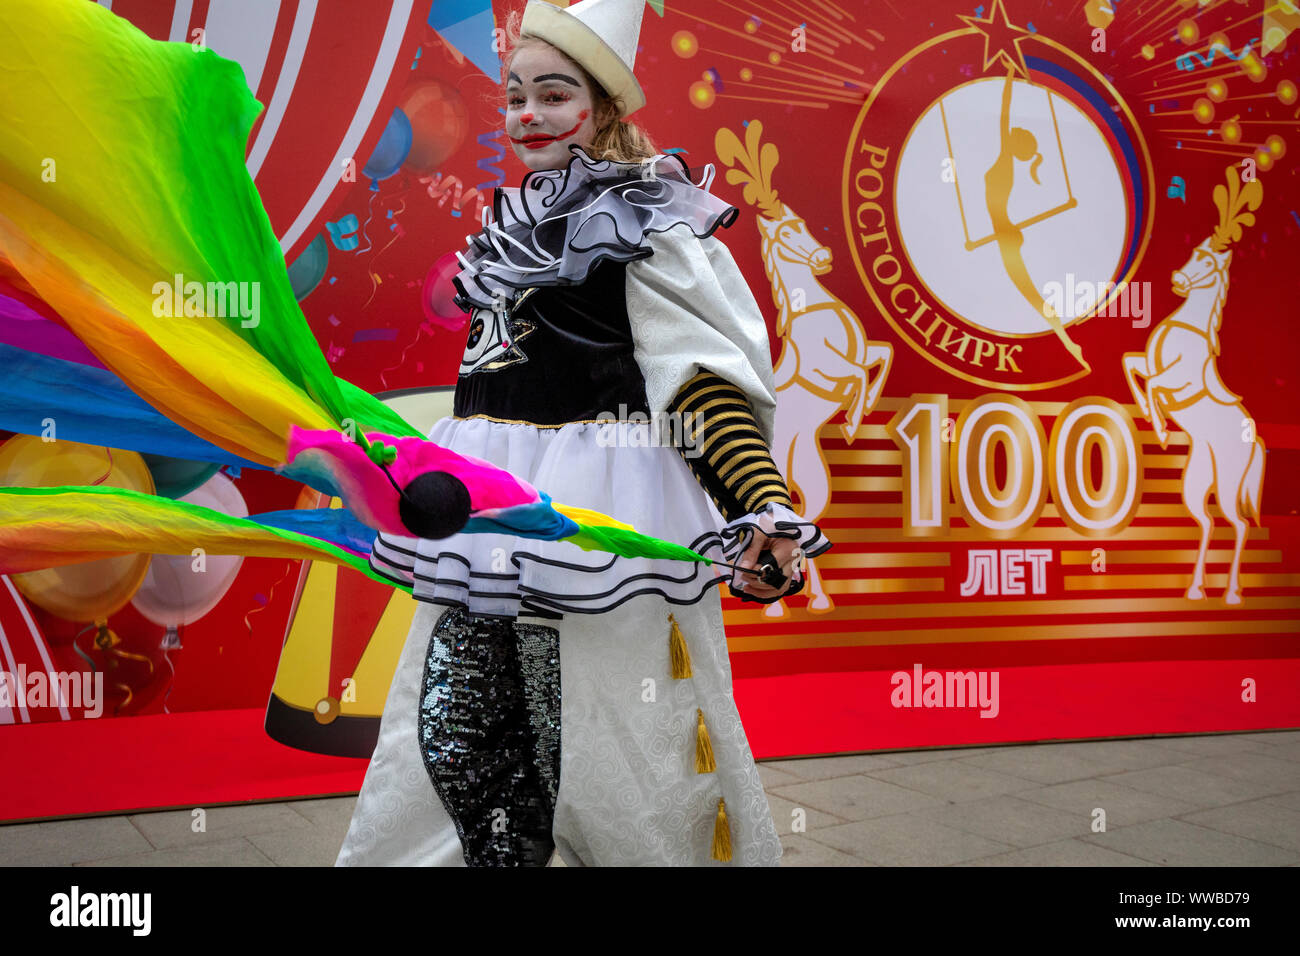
549, 107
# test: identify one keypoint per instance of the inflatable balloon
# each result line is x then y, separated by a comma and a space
439, 123
436, 295
309, 268
390, 152
92, 590
180, 589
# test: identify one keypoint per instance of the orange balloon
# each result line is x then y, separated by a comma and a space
439, 123
92, 590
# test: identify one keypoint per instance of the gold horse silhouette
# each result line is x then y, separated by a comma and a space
1018, 143
826, 360
1182, 383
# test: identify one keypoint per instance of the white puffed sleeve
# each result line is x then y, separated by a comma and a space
690, 309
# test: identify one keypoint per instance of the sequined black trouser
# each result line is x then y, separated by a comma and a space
489, 731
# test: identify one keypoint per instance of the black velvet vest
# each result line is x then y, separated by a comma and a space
571, 356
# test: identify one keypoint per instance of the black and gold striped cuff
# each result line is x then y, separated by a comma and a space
728, 455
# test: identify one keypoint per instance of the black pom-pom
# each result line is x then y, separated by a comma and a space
771, 570
435, 505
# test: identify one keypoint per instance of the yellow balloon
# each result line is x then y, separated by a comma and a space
94, 589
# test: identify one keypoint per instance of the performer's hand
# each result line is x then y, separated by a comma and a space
749, 586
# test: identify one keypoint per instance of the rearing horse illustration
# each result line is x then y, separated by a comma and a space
826, 360
1183, 385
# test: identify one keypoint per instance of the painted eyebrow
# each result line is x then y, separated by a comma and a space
563, 77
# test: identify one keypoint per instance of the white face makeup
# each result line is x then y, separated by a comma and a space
549, 107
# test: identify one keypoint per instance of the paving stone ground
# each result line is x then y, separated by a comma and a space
1220, 800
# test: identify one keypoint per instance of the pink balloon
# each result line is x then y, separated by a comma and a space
436, 296
174, 593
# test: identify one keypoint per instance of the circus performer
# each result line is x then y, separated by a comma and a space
1018, 143
548, 699
566, 680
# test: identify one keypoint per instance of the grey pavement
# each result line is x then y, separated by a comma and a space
1218, 800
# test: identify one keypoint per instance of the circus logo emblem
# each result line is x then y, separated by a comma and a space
827, 364
1009, 186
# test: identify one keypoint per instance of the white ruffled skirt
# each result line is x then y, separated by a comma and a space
609, 467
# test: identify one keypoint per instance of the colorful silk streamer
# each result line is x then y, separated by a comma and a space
110, 212
331, 455
50, 527
129, 224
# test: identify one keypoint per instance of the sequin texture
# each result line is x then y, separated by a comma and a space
489, 732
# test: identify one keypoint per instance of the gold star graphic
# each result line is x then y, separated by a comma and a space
1001, 40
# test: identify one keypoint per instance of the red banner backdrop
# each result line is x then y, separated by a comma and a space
1026, 267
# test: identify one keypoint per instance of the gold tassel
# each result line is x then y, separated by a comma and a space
704, 762
722, 834
681, 657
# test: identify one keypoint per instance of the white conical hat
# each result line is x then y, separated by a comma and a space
599, 35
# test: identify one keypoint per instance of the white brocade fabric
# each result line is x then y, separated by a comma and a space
606, 467
690, 308
398, 819
628, 793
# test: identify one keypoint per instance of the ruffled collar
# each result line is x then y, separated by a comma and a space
560, 223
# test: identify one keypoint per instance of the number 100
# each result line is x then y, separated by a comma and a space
938, 455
